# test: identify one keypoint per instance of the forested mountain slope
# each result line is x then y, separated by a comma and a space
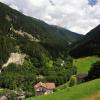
21, 29
88, 45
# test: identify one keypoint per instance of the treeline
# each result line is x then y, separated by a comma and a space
94, 71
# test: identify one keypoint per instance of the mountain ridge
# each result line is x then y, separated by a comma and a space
15, 16
88, 45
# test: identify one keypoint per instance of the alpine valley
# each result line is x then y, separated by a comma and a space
32, 51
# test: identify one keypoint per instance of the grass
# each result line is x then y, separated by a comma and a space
83, 64
78, 92
1, 90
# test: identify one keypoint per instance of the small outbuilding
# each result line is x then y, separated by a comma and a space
81, 77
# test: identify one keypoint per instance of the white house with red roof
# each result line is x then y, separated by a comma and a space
44, 88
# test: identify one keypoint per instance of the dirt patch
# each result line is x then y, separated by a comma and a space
95, 96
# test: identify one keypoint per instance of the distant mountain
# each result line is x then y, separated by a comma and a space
88, 45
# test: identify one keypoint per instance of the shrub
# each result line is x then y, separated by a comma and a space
94, 72
72, 81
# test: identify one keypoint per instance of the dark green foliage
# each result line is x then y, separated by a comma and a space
35, 51
7, 46
60, 74
23, 76
18, 76
72, 81
94, 72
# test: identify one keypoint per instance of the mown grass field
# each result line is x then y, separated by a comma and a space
84, 64
78, 92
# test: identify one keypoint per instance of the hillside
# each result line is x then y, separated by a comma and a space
32, 51
88, 45
78, 92
84, 64
35, 27
21, 29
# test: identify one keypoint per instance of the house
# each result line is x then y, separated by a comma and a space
81, 77
44, 88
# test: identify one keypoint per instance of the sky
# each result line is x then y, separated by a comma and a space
79, 16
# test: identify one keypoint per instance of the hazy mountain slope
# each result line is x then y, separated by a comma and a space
88, 45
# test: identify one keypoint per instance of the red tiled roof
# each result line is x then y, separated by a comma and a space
50, 85
46, 85
40, 84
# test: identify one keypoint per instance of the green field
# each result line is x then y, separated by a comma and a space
83, 64
74, 93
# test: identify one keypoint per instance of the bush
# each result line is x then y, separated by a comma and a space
94, 72
72, 81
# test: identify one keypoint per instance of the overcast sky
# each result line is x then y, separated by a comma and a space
76, 15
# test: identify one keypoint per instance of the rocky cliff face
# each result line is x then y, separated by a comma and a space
16, 58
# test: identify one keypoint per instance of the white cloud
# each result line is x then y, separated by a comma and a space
75, 15
14, 7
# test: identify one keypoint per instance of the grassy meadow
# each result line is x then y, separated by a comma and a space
84, 64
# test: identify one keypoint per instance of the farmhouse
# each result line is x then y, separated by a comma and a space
44, 88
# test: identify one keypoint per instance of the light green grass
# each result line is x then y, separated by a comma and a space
83, 64
74, 93
1, 90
